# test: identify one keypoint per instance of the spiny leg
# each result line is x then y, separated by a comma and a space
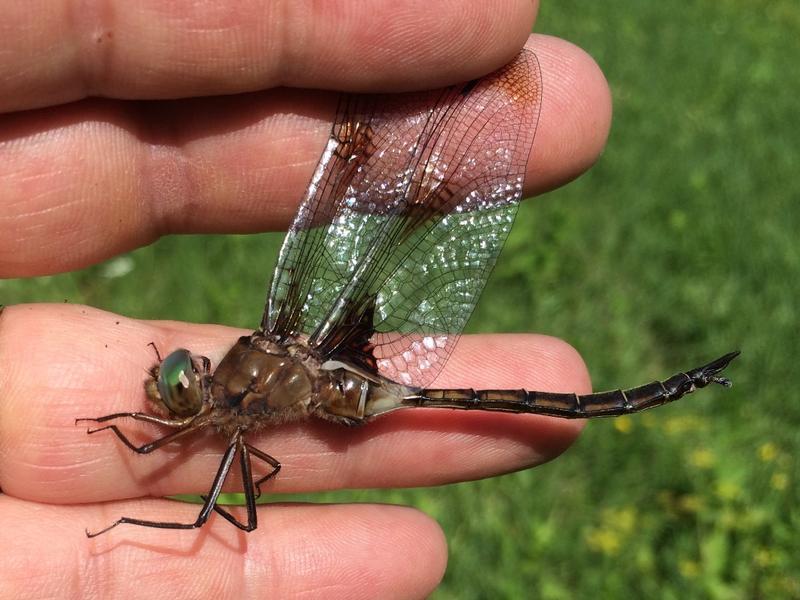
138, 417
249, 495
276, 466
155, 349
250, 486
208, 505
155, 444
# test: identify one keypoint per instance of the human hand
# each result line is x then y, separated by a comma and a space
87, 180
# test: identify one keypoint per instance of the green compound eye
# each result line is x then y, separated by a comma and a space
178, 384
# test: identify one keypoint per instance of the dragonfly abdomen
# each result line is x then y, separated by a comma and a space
577, 406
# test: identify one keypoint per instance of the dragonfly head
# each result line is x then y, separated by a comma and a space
176, 384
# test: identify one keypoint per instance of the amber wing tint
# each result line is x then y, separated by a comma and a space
403, 220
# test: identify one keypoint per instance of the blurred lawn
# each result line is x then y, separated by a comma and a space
679, 245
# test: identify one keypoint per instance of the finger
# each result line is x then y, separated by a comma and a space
82, 362
86, 182
331, 551
177, 49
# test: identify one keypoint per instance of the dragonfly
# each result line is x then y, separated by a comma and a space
401, 224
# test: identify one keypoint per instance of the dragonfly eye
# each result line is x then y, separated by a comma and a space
178, 384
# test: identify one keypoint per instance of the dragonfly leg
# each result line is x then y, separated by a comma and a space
155, 349
249, 495
155, 444
138, 417
208, 504
276, 466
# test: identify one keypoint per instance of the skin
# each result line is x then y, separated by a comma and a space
87, 173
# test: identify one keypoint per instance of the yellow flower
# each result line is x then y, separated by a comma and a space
603, 540
618, 524
767, 452
764, 557
779, 481
702, 458
623, 424
691, 503
626, 519
689, 568
728, 490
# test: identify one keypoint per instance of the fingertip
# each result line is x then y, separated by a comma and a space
576, 113
345, 550
416, 539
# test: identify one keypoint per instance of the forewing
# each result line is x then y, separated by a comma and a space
403, 220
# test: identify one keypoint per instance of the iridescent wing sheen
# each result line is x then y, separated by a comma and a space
403, 221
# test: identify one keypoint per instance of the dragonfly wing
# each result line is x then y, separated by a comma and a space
403, 221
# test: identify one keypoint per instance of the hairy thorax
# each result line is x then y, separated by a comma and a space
262, 382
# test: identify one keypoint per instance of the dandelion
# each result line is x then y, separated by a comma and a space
767, 452
623, 424
689, 568
618, 525
702, 458
624, 519
604, 540
779, 481
764, 557
691, 503
728, 490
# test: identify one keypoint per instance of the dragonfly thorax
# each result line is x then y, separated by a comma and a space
260, 379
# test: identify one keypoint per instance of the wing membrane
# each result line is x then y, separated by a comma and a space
403, 220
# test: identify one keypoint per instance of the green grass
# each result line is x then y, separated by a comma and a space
679, 245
